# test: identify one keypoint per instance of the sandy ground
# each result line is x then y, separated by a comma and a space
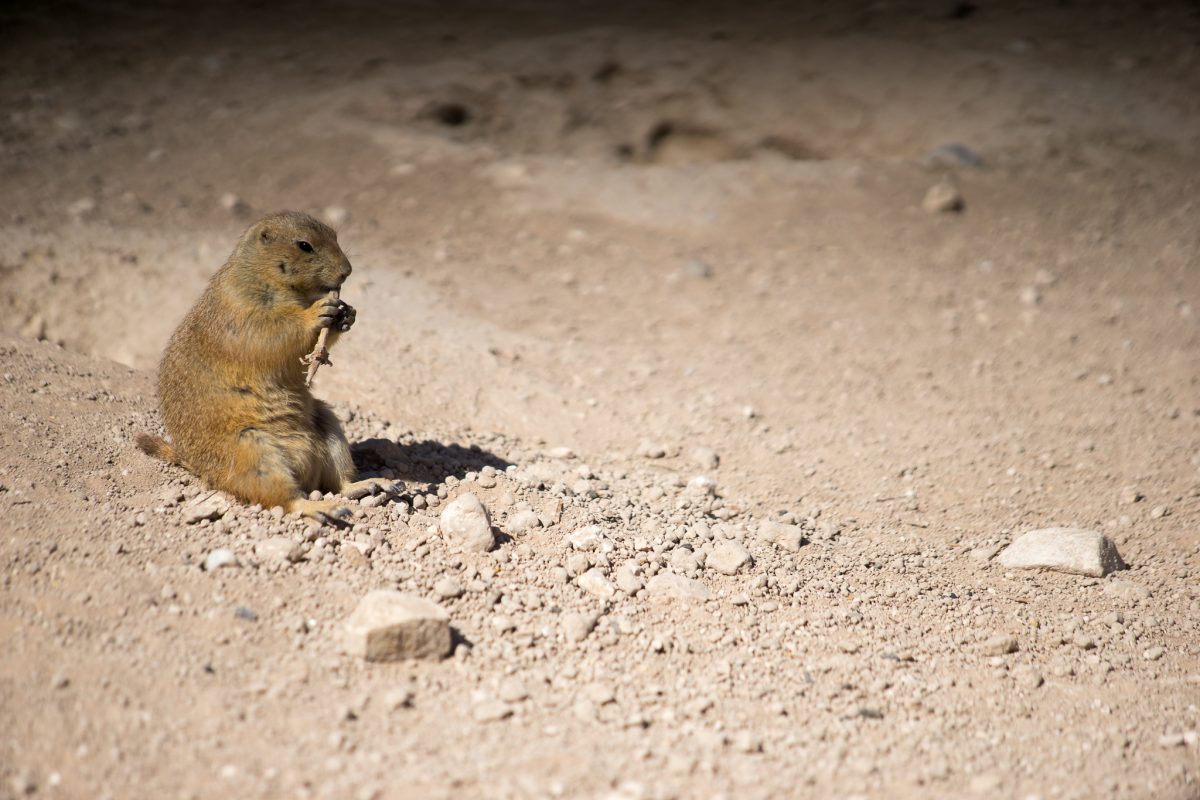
601, 250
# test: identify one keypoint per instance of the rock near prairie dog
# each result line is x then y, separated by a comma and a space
231, 384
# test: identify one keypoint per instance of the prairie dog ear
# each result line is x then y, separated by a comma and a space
265, 234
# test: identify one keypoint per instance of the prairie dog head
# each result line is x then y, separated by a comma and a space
294, 254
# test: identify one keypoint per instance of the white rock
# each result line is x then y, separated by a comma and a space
389, 626
220, 558
211, 507
491, 711
669, 586
705, 458
522, 522
1000, 645
279, 549
702, 486
728, 557
465, 522
232, 203
648, 449
336, 215
512, 690
627, 578
943, 197
594, 583
576, 627
1128, 591
447, 588
684, 561
784, 536
1072, 550
586, 538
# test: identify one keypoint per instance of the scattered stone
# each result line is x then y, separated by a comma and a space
336, 215
447, 588
705, 458
627, 578
465, 523
1158, 512
389, 625
396, 699
205, 507
651, 450
241, 612
1126, 590
1031, 295
699, 269
599, 693
586, 538
82, 208
782, 535
233, 204
512, 690
576, 626
684, 561
279, 549
595, 583
1172, 740
1027, 677
985, 553
1153, 653
219, 558
728, 557
954, 155
943, 197
1071, 550
1000, 645
669, 586
1131, 495
522, 522
491, 711
702, 486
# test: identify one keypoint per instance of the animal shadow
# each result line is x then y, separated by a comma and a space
423, 462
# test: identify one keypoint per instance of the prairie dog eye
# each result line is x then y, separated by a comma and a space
305, 246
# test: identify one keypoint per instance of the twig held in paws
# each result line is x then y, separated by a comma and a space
320, 353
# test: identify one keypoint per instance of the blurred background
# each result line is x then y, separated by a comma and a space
828, 238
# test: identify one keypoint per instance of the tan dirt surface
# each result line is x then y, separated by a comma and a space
660, 285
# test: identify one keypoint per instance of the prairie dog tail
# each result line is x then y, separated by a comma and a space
156, 446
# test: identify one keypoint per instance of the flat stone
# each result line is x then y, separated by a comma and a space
219, 558
943, 197
705, 458
728, 557
999, 645
586, 538
595, 583
576, 627
669, 586
512, 690
1071, 550
389, 626
491, 711
465, 522
522, 522
206, 507
628, 580
1128, 591
782, 535
279, 550
1027, 677
447, 588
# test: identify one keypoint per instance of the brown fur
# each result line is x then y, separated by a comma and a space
231, 384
